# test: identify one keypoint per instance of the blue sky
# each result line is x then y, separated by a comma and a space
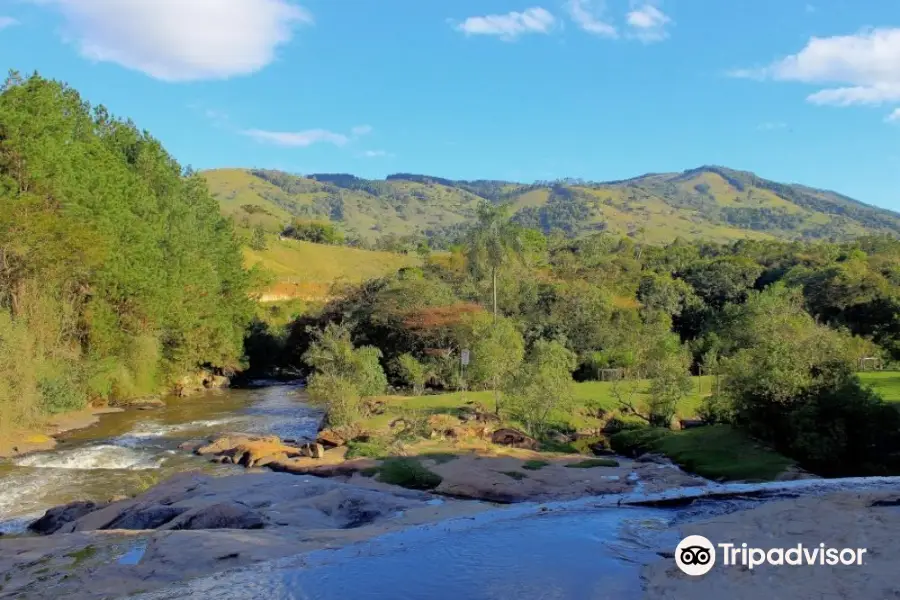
501, 89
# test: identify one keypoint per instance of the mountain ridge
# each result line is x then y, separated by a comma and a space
708, 202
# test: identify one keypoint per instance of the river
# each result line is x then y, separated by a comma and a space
588, 548
126, 453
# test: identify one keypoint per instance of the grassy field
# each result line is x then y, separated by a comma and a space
308, 271
718, 452
589, 396
885, 383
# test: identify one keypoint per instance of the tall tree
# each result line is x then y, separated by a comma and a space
493, 243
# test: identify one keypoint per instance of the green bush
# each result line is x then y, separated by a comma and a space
372, 448
339, 396
408, 473
412, 372
586, 445
634, 442
534, 465
715, 410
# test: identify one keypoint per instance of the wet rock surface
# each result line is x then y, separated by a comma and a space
56, 518
204, 525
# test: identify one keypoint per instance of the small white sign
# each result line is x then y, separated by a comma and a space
464, 357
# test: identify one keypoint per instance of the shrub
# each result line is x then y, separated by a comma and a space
715, 410
534, 465
586, 445
635, 442
317, 232
338, 396
408, 473
412, 372
840, 428
343, 374
543, 385
372, 448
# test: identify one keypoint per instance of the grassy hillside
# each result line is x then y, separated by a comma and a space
309, 271
711, 203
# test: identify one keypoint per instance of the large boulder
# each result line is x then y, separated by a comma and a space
339, 436
144, 516
478, 413
514, 438
55, 518
223, 515
250, 451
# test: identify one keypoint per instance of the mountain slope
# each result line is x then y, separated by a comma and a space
713, 203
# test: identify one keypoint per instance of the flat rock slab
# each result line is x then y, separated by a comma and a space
839, 521
297, 514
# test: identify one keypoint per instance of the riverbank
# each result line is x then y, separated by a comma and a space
43, 437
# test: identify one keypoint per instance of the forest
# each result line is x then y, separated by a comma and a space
782, 327
118, 275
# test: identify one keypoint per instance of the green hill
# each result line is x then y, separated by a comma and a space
307, 271
713, 203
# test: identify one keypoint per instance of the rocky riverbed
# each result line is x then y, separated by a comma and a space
277, 536
271, 516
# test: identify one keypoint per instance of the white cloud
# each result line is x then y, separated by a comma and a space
181, 40
7, 22
362, 130
299, 139
894, 117
510, 26
377, 154
648, 23
589, 18
864, 68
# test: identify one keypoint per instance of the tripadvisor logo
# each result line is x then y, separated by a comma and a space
695, 555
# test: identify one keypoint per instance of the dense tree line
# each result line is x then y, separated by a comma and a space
783, 325
117, 272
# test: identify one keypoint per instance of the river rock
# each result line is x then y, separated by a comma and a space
146, 403
144, 516
514, 438
334, 438
191, 445
657, 459
794, 473
249, 450
223, 515
313, 450
478, 413
55, 518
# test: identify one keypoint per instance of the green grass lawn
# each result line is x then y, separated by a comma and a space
717, 452
885, 383
589, 395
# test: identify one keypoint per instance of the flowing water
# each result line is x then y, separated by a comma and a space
588, 548
592, 548
128, 452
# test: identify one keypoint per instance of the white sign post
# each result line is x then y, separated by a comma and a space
464, 362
